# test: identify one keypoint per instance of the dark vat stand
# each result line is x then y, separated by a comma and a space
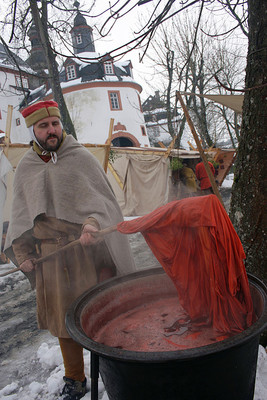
94, 375
224, 370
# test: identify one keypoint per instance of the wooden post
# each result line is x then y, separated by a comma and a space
170, 147
116, 176
201, 151
8, 129
191, 146
162, 145
108, 144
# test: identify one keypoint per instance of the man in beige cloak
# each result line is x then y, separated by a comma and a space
61, 193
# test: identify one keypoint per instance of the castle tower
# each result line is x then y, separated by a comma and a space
37, 57
81, 34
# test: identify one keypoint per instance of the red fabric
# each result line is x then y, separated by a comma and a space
45, 157
202, 175
196, 244
41, 104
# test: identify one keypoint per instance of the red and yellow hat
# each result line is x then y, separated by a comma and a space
40, 110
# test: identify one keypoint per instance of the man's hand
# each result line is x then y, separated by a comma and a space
87, 237
28, 265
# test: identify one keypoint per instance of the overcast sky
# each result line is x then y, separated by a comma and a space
129, 24
123, 31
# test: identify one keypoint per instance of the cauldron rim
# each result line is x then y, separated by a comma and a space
76, 332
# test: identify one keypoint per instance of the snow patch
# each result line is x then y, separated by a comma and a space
35, 388
49, 356
228, 181
55, 380
9, 389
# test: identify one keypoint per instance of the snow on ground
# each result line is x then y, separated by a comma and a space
228, 181
31, 366
47, 361
33, 369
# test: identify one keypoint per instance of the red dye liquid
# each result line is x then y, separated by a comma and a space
160, 325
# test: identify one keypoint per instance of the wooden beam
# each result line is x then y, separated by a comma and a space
108, 144
201, 151
116, 176
191, 146
209, 149
170, 147
162, 145
216, 155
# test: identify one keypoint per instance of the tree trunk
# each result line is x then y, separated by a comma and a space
248, 205
41, 25
170, 58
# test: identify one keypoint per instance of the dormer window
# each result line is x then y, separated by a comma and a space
71, 72
108, 66
21, 82
79, 38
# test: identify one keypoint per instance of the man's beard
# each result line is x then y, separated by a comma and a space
51, 147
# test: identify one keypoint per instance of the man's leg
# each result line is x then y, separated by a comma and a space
75, 381
72, 354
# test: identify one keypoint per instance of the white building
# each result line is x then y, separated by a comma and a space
97, 89
16, 79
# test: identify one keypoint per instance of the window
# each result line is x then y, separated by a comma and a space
21, 81
79, 38
115, 100
143, 130
108, 66
71, 72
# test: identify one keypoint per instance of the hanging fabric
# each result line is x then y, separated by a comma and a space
196, 244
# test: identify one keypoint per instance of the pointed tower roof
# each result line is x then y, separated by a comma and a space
37, 58
79, 20
81, 34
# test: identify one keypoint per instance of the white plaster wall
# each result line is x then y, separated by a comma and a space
91, 113
89, 109
9, 96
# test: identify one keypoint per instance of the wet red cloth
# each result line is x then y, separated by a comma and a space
202, 175
196, 244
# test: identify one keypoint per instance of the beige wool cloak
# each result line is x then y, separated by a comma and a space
72, 190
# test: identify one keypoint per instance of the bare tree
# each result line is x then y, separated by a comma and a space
193, 71
25, 13
249, 191
248, 206
40, 18
169, 60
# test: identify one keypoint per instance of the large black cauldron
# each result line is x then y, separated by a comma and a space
221, 371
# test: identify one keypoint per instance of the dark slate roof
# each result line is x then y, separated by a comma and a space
86, 72
79, 19
34, 95
11, 61
91, 70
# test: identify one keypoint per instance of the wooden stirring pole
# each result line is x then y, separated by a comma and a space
98, 234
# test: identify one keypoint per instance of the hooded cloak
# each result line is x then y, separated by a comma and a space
72, 190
